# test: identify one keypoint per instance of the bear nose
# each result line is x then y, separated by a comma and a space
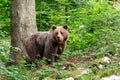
58, 37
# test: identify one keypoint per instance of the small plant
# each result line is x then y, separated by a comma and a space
5, 51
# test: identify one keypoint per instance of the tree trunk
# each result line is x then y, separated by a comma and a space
23, 24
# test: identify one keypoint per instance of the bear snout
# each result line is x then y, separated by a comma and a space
58, 38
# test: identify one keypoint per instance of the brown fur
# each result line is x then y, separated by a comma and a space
47, 44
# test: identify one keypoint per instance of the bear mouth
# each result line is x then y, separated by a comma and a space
57, 39
60, 42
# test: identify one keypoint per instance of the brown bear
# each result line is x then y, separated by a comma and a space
47, 44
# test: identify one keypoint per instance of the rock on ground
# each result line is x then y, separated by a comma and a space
112, 77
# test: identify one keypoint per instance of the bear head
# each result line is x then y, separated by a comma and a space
60, 34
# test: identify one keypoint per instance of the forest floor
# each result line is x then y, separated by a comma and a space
87, 67
81, 66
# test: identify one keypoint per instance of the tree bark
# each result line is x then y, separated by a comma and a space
23, 24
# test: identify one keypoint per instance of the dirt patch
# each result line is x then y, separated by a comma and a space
87, 57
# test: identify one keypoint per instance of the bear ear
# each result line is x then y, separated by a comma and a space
54, 27
65, 27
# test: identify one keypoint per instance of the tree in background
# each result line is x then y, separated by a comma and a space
23, 24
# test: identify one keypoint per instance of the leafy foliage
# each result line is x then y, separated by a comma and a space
4, 18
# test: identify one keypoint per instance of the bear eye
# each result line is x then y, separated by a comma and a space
61, 32
56, 33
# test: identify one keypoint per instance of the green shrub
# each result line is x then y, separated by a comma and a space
4, 51
100, 23
4, 18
